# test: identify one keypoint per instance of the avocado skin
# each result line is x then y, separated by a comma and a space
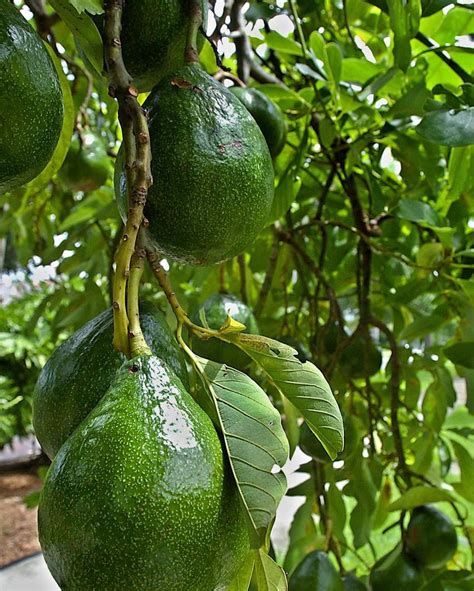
267, 114
80, 370
31, 101
315, 573
212, 172
139, 498
87, 165
216, 309
154, 38
395, 571
430, 537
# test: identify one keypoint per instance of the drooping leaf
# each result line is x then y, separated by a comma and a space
256, 444
420, 495
302, 383
84, 30
244, 576
269, 575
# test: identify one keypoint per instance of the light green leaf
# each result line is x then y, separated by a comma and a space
84, 30
92, 6
283, 44
460, 418
449, 127
466, 465
64, 141
420, 495
334, 62
461, 354
401, 33
244, 576
430, 255
302, 383
358, 70
254, 439
269, 575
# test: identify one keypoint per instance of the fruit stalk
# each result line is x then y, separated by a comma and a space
137, 164
138, 345
191, 52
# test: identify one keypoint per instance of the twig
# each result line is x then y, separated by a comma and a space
137, 163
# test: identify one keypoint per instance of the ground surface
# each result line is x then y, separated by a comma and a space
18, 532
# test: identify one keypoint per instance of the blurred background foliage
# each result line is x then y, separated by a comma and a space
366, 263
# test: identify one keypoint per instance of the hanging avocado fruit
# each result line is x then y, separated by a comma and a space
267, 114
87, 165
79, 372
352, 583
140, 497
216, 309
31, 101
395, 571
315, 573
212, 172
430, 537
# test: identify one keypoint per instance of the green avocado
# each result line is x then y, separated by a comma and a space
315, 573
154, 38
352, 359
31, 101
267, 114
140, 497
311, 445
352, 583
87, 165
395, 571
212, 172
216, 309
81, 369
430, 537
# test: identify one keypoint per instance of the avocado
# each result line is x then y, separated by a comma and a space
80, 370
216, 309
140, 496
311, 445
267, 114
87, 165
356, 355
212, 171
430, 537
395, 571
315, 573
31, 101
154, 38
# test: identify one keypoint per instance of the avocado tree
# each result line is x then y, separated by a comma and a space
287, 188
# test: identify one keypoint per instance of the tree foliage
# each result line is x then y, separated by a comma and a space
366, 260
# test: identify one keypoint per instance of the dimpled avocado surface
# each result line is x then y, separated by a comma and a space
216, 309
267, 114
139, 498
315, 573
31, 108
80, 370
212, 171
430, 537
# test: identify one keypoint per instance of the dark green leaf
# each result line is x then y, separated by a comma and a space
461, 354
449, 127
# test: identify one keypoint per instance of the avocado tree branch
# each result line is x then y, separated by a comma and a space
137, 163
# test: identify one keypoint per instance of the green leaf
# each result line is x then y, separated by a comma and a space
334, 62
430, 255
283, 44
269, 575
466, 466
84, 30
401, 33
358, 70
254, 439
92, 6
64, 141
422, 326
302, 383
449, 127
244, 576
460, 418
416, 211
420, 495
461, 354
